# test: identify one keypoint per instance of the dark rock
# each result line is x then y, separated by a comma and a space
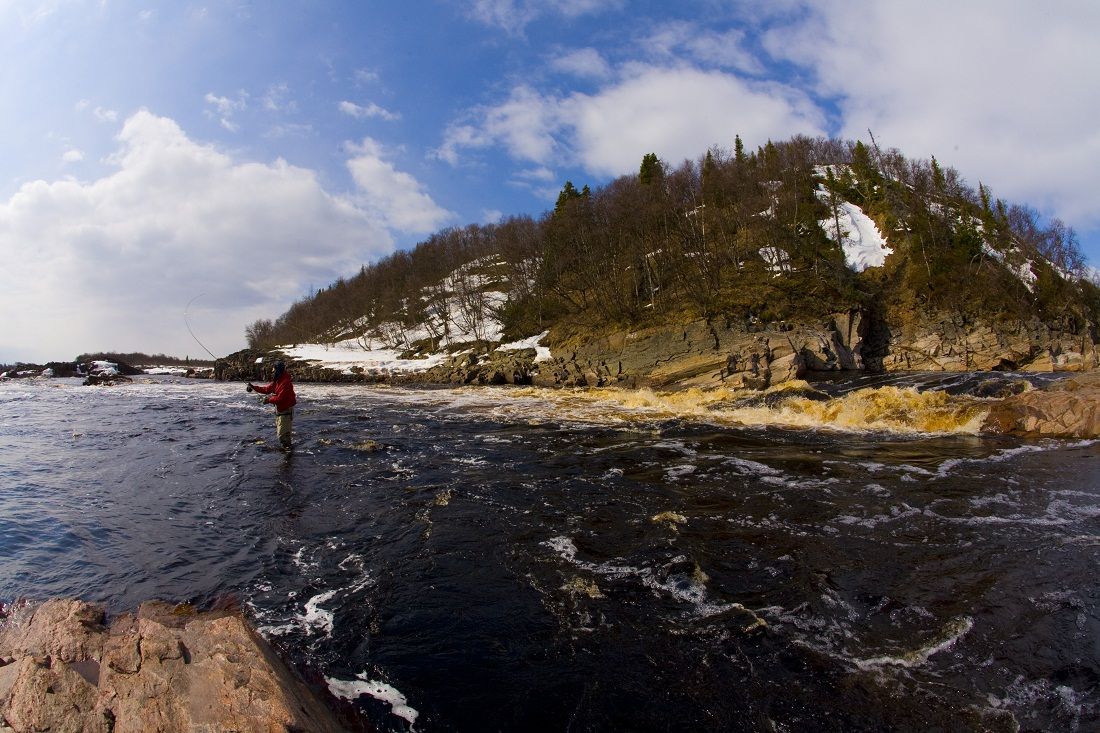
105, 380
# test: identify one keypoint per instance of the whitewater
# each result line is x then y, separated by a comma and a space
521, 559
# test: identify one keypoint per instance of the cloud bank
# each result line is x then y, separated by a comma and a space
676, 112
112, 263
1002, 91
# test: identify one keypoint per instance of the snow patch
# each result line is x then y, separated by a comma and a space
1023, 271
778, 260
542, 353
859, 236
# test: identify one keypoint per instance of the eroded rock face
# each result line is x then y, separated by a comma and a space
946, 344
711, 354
165, 668
1066, 409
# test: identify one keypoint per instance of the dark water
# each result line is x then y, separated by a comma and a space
526, 561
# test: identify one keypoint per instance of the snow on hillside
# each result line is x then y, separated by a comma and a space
859, 237
542, 353
464, 307
346, 356
1022, 271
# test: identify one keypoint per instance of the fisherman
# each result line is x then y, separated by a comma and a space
280, 392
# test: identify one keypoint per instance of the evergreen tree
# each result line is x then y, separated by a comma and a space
939, 181
568, 193
651, 169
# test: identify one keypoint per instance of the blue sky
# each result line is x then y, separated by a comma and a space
224, 157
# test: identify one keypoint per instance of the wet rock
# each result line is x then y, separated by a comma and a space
1001, 388
105, 380
1066, 409
165, 668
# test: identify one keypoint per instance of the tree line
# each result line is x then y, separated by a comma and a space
751, 235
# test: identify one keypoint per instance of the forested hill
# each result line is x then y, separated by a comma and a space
792, 231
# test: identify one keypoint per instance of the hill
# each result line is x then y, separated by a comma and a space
827, 254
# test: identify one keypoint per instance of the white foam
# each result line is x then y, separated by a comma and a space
363, 685
955, 630
1008, 454
316, 617
752, 468
675, 472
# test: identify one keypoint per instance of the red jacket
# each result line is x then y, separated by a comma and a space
281, 393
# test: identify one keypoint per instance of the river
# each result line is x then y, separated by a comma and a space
499, 559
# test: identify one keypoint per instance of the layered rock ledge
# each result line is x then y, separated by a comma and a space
164, 668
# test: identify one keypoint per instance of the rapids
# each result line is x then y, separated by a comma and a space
837, 556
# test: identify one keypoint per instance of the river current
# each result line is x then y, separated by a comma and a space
525, 560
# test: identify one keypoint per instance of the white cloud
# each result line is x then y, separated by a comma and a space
514, 15
646, 113
289, 129
371, 110
224, 108
394, 196
72, 155
491, 216
608, 132
586, 63
111, 264
274, 99
458, 136
365, 76
100, 113
540, 175
1008, 93
682, 40
29, 14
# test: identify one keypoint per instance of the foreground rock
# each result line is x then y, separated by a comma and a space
165, 668
1066, 409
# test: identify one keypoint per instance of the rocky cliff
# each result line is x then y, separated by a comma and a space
742, 354
165, 668
939, 342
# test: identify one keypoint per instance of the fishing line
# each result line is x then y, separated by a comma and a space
187, 323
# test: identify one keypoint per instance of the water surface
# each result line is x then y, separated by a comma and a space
515, 559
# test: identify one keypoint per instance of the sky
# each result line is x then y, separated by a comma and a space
172, 172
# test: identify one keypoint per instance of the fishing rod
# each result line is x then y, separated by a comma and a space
187, 323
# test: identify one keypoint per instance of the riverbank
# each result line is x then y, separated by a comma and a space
1063, 408
65, 666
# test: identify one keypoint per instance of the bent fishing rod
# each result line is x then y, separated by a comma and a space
187, 323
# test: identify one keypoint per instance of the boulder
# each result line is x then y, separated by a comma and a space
1066, 409
165, 668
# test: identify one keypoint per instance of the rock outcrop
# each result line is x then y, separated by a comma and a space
734, 353
165, 668
1069, 408
954, 345
710, 353
488, 367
